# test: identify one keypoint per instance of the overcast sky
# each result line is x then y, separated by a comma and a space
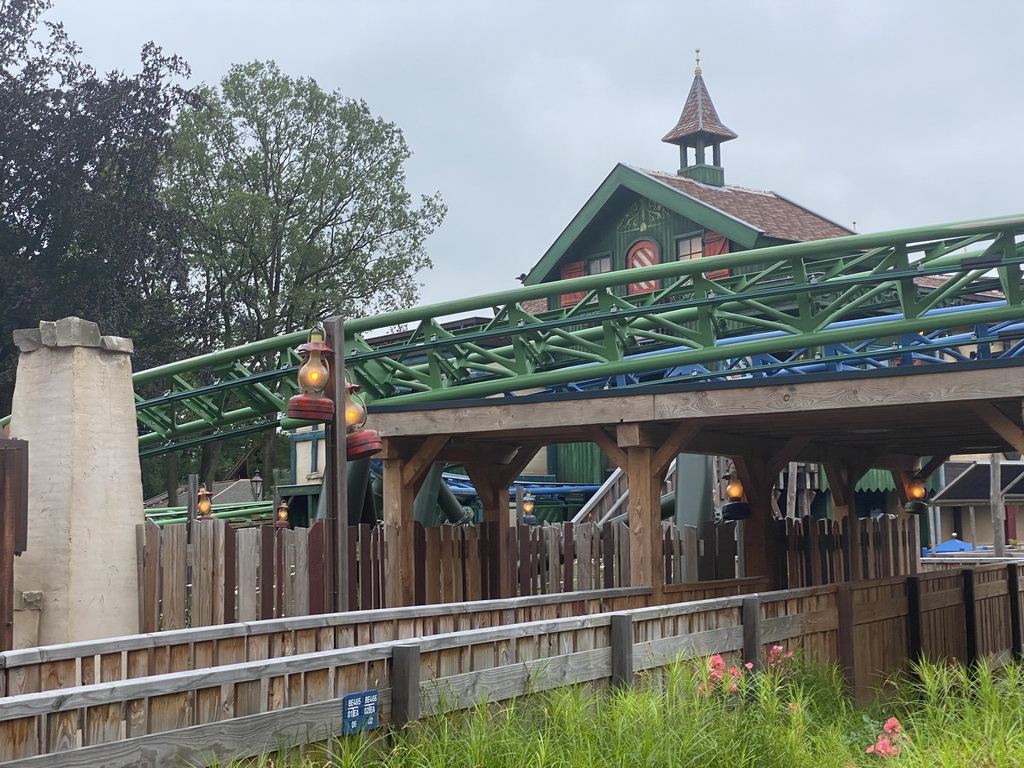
887, 113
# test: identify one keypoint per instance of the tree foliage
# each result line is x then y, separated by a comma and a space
297, 204
82, 227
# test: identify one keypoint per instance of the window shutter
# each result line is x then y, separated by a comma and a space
716, 245
570, 270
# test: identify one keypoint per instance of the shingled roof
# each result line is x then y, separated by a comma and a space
769, 212
699, 118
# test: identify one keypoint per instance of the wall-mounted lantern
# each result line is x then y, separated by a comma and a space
735, 508
311, 404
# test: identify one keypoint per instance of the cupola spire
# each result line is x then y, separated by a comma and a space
699, 128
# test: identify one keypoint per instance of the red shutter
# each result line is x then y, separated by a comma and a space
716, 245
570, 270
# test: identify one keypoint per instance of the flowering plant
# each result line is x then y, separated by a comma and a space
890, 740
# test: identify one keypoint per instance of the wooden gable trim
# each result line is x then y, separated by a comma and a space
622, 176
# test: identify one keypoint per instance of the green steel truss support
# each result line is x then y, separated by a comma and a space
779, 298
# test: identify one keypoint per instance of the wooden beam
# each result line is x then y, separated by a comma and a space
637, 435
780, 458
611, 449
932, 466
419, 464
680, 437
509, 471
1001, 424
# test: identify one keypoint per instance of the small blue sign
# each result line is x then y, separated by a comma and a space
360, 711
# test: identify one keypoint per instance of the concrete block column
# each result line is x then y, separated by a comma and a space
74, 404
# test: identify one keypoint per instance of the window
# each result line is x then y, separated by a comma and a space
689, 247
599, 264
642, 254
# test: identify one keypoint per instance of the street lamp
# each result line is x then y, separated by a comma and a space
256, 484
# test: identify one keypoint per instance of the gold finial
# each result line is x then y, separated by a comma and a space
697, 70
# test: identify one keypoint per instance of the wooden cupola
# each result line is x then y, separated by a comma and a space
699, 128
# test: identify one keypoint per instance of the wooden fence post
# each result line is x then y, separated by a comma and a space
914, 649
1013, 587
405, 684
752, 631
622, 650
970, 616
847, 649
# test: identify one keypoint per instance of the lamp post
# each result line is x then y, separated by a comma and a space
256, 484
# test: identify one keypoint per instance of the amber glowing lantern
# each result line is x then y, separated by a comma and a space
204, 506
314, 374
916, 495
735, 508
281, 516
360, 443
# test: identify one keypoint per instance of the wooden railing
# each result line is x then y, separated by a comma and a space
207, 715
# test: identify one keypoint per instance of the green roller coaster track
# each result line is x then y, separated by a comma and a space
798, 296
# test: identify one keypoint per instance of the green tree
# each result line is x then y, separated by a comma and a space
82, 227
296, 203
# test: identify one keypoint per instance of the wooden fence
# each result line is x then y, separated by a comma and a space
227, 575
199, 716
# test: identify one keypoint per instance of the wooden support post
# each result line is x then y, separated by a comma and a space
405, 684
997, 502
752, 631
847, 649
644, 520
1013, 587
970, 616
13, 500
398, 537
337, 467
914, 643
622, 650
759, 539
492, 481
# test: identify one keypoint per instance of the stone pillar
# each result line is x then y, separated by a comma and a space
74, 403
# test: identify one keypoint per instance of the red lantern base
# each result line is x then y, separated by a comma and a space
311, 407
362, 444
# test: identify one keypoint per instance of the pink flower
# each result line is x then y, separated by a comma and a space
734, 672
749, 665
892, 725
733, 687
717, 664
792, 707
884, 747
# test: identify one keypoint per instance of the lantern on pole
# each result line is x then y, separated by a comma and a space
735, 508
204, 505
916, 495
311, 404
281, 516
360, 443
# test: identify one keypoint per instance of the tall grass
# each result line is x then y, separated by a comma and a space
789, 717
